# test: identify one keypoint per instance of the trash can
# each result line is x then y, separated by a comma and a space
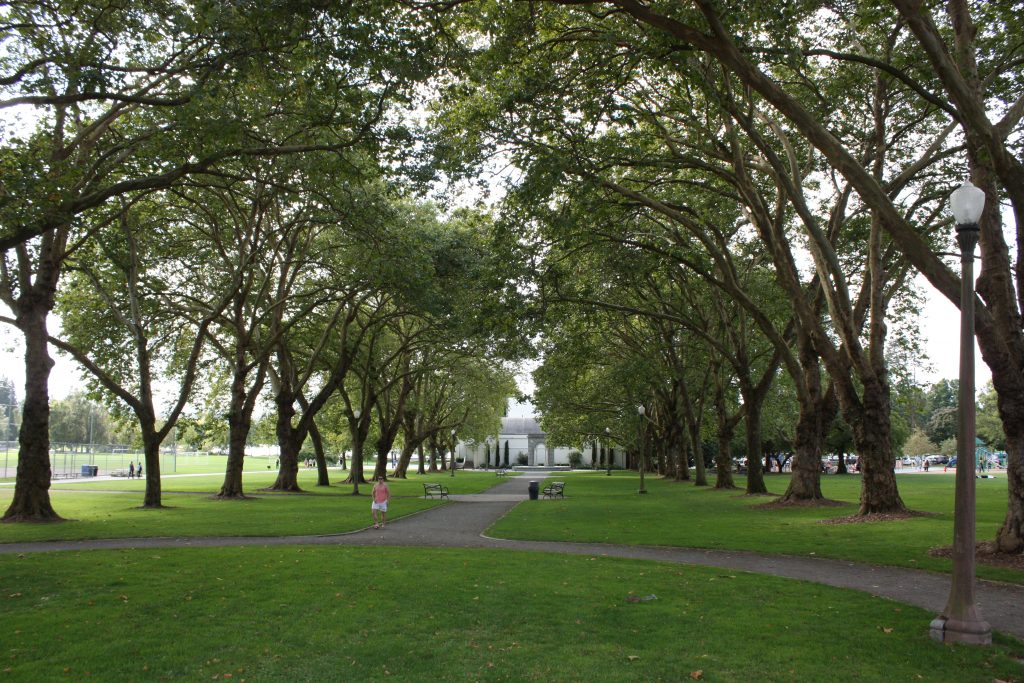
86, 470
534, 490
95, 470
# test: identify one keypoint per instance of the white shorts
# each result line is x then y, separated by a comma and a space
383, 507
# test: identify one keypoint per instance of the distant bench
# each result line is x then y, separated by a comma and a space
431, 490
119, 473
501, 472
555, 488
64, 475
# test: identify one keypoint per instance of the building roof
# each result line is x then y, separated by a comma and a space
521, 425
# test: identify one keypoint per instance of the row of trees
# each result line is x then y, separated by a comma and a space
217, 199
728, 202
720, 207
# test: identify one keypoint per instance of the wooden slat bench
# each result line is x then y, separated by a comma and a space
555, 488
501, 472
431, 490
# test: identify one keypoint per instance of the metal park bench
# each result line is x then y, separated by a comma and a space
431, 490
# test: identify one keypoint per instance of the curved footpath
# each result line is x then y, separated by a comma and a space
1002, 605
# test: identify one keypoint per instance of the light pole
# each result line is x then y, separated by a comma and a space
961, 621
641, 411
453, 453
608, 451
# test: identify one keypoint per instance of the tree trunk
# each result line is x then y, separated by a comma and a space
421, 467
433, 458
289, 441
355, 472
322, 479
871, 433
817, 411
1010, 537
723, 460
151, 454
239, 424
755, 473
402, 469
683, 467
380, 471
31, 502
805, 482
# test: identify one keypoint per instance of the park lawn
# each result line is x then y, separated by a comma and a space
111, 508
118, 515
408, 614
609, 510
253, 481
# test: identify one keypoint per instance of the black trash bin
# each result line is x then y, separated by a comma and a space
95, 470
534, 490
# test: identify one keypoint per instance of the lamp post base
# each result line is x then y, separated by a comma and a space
974, 632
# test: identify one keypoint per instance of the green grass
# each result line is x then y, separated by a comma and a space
369, 614
598, 509
608, 510
110, 509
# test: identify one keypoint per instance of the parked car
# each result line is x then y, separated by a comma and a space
937, 459
952, 462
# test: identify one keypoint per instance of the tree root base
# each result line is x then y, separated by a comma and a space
987, 553
782, 504
33, 519
877, 517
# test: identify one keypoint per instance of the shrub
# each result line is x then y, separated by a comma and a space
575, 459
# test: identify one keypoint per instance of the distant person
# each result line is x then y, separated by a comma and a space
379, 506
138, 472
926, 465
131, 469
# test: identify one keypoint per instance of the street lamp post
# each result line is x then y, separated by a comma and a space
961, 621
453, 453
608, 450
641, 411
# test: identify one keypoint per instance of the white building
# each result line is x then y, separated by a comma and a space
525, 440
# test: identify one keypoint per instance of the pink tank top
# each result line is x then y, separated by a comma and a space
380, 494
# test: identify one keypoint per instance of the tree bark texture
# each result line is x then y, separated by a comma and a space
289, 441
755, 470
151, 454
239, 424
817, 411
322, 478
31, 502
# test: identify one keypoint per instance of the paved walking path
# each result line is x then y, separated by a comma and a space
456, 525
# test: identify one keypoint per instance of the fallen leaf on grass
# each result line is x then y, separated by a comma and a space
697, 675
633, 658
886, 630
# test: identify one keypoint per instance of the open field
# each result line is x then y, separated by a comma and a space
387, 614
70, 463
608, 510
598, 509
110, 508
